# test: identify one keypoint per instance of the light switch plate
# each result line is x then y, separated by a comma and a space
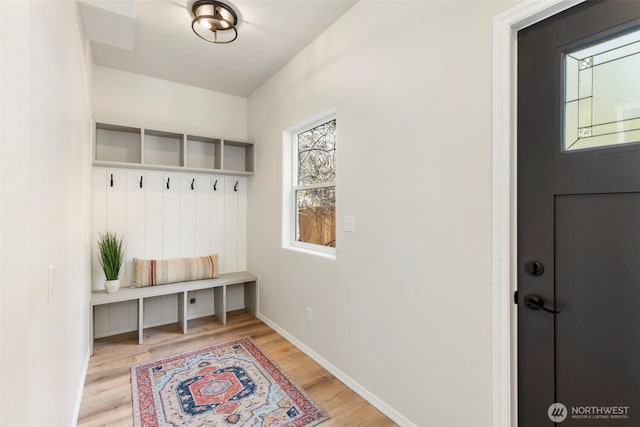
349, 224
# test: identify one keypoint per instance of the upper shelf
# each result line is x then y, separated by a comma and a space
125, 146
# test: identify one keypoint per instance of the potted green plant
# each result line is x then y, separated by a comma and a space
111, 255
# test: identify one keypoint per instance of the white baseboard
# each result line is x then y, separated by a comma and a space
344, 378
83, 379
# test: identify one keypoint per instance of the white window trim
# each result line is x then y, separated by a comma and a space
290, 179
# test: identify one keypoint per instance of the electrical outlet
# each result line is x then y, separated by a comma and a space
309, 312
50, 283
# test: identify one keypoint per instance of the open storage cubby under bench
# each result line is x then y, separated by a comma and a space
218, 284
127, 146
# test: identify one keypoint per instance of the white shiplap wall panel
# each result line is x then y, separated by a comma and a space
99, 223
231, 225
154, 205
203, 219
162, 223
158, 311
152, 311
218, 220
120, 318
116, 318
241, 236
235, 236
187, 235
171, 216
203, 305
154, 229
117, 201
135, 237
202, 228
187, 229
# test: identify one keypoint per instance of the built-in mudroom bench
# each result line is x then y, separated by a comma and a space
170, 194
219, 286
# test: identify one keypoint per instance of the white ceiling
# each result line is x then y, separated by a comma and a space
272, 32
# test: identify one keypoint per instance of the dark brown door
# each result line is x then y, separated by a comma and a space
579, 217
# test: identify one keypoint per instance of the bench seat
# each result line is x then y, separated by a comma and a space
219, 285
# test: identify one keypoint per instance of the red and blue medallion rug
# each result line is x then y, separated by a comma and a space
229, 384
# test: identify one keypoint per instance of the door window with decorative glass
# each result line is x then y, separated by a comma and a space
602, 94
314, 186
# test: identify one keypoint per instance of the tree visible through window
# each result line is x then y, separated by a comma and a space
314, 185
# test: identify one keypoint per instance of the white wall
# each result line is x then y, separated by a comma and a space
125, 98
45, 211
405, 309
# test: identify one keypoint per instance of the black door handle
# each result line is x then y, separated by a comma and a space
534, 302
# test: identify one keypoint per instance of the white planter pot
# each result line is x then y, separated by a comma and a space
112, 285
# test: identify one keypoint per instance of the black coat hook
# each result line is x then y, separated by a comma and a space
168, 179
112, 180
141, 181
235, 187
215, 184
192, 181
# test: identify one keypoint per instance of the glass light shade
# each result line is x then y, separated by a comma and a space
203, 22
216, 21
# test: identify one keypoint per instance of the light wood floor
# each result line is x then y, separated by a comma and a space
107, 397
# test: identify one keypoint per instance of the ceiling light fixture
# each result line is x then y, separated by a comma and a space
214, 21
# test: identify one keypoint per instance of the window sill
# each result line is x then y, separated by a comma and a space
316, 252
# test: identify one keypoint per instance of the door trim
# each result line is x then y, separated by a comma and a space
504, 198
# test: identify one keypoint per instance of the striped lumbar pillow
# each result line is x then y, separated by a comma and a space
151, 272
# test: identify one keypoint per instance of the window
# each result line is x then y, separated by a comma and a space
602, 94
314, 186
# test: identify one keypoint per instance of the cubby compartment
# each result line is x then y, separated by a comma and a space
203, 153
117, 143
238, 156
163, 148
126, 146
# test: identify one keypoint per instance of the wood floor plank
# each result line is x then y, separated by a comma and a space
107, 398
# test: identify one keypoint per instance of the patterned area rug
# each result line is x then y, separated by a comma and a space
229, 384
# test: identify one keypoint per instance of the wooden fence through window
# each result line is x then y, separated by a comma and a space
318, 226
